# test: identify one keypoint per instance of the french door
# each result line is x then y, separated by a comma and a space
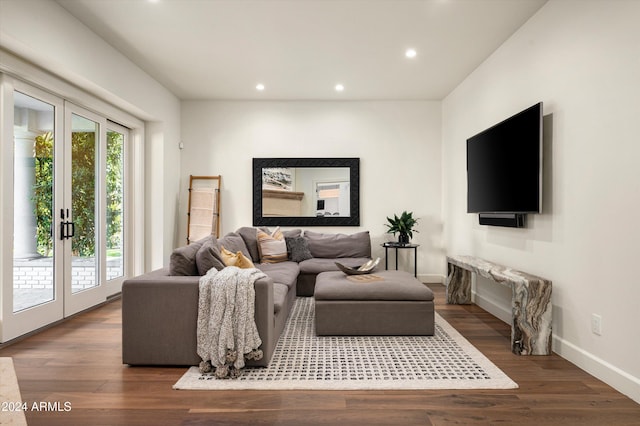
66, 182
80, 222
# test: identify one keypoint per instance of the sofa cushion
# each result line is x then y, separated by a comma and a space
317, 265
272, 247
339, 245
395, 285
298, 249
279, 296
235, 259
281, 273
208, 256
183, 259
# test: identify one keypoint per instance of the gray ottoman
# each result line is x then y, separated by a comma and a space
399, 304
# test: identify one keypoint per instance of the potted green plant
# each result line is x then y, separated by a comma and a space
402, 225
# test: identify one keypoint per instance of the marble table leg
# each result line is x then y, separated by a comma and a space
530, 301
458, 285
531, 319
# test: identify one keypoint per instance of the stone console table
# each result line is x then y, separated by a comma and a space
530, 300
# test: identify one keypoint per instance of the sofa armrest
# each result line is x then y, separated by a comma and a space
265, 320
160, 316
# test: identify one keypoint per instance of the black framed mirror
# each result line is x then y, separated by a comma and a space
306, 191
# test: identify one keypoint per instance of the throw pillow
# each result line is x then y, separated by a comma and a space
183, 260
273, 247
298, 248
248, 234
234, 243
235, 259
291, 233
208, 256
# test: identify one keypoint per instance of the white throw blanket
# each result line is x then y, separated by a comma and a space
227, 332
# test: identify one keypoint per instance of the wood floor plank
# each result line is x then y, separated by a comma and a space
79, 361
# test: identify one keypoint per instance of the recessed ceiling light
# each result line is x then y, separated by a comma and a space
410, 53
153, 1
260, 87
339, 87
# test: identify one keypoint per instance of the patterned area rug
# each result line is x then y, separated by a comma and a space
303, 360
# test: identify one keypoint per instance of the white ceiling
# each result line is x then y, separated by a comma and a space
300, 49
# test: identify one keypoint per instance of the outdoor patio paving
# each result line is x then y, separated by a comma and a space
33, 283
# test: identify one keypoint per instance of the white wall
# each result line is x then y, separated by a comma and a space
45, 34
398, 144
580, 58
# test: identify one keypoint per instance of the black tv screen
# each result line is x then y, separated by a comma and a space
504, 165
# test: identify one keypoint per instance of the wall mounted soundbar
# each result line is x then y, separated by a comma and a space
509, 220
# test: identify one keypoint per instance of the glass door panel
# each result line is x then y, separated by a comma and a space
115, 204
33, 195
82, 230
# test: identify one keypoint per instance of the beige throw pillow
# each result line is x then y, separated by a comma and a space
272, 247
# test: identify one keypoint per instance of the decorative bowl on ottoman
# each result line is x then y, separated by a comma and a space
367, 268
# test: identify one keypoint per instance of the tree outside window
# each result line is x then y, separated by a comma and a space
83, 187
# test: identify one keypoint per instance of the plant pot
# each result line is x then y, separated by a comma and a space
403, 239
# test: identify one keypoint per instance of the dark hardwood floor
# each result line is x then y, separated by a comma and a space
79, 362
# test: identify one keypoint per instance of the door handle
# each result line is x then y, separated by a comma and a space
64, 226
73, 229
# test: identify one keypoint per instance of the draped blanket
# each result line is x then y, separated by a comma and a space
227, 332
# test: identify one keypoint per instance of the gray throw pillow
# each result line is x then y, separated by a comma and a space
298, 248
183, 259
234, 243
292, 233
248, 235
208, 257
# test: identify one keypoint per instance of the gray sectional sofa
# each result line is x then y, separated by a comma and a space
160, 308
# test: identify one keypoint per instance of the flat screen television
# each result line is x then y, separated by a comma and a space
504, 166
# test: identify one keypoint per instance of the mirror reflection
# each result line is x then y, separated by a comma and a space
306, 192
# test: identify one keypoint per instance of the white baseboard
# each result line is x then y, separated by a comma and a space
431, 278
620, 380
495, 309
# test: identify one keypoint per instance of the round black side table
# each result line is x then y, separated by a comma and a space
397, 246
